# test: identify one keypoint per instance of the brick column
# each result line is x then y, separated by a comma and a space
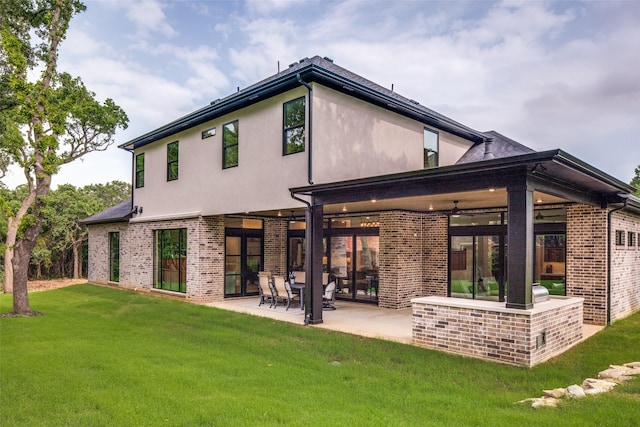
401, 265
275, 245
435, 254
586, 274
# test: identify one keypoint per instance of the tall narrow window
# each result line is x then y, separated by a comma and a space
170, 271
140, 170
230, 145
430, 148
294, 119
114, 256
172, 161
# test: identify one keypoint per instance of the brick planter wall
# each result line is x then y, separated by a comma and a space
489, 331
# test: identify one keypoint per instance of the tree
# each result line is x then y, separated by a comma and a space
635, 182
46, 123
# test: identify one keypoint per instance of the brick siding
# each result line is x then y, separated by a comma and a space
489, 331
625, 266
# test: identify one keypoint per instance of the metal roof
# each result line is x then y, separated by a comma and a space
319, 70
118, 213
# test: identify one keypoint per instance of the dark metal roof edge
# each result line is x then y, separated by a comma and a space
287, 81
577, 164
439, 172
105, 221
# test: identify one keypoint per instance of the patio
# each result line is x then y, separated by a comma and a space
354, 318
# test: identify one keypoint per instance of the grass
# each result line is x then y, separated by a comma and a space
105, 357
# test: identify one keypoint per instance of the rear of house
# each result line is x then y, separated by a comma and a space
318, 170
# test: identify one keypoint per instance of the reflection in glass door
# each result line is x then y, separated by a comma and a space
243, 260
476, 265
355, 271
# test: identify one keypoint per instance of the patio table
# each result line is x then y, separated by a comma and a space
300, 287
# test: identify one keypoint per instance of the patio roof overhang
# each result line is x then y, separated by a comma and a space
552, 172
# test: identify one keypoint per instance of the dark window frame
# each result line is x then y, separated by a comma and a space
172, 164
292, 129
631, 239
430, 153
139, 170
620, 240
226, 147
114, 256
170, 252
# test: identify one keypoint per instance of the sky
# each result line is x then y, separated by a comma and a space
548, 74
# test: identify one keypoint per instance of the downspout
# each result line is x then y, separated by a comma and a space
310, 153
609, 216
307, 302
133, 180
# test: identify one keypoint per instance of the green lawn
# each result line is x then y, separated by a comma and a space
105, 357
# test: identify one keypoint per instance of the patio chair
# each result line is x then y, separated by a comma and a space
283, 291
266, 290
329, 297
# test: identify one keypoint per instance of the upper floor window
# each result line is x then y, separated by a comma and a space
430, 148
631, 239
293, 126
619, 238
230, 145
140, 170
172, 161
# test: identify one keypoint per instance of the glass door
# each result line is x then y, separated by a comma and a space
354, 266
243, 261
476, 267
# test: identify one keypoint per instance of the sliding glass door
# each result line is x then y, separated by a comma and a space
354, 265
476, 266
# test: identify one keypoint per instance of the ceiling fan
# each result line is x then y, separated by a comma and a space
455, 212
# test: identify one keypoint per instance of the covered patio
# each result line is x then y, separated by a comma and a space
354, 318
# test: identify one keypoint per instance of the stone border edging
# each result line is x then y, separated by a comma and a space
606, 381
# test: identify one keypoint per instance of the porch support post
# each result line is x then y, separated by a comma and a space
313, 261
520, 246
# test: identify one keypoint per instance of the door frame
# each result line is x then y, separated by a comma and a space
243, 234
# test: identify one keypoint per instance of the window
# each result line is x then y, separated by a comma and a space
172, 161
208, 133
430, 148
631, 239
619, 238
170, 272
140, 170
230, 145
114, 256
293, 133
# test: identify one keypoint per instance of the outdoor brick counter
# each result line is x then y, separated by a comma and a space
490, 331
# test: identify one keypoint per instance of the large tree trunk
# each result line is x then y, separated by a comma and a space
76, 259
12, 234
21, 257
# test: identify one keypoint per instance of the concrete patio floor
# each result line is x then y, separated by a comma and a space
354, 318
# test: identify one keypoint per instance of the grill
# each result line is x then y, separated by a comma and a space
540, 293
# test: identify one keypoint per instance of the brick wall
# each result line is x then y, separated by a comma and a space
401, 236
489, 331
625, 266
586, 268
275, 245
205, 255
435, 254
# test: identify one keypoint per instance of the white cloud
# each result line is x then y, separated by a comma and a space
148, 18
